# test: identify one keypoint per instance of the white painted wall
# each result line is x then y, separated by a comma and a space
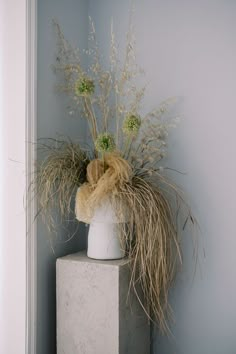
12, 176
188, 49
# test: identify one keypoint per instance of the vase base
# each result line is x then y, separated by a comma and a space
105, 259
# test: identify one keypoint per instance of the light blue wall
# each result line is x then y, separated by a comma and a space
53, 119
188, 49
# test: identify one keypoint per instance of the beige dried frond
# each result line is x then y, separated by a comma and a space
95, 170
117, 172
57, 178
152, 246
83, 211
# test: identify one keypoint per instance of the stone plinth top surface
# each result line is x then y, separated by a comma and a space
82, 257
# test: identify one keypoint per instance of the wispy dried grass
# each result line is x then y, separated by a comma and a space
108, 103
58, 176
152, 246
117, 171
83, 210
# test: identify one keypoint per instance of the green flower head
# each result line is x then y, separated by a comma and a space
84, 87
131, 124
105, 143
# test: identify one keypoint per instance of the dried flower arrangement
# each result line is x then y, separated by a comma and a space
123, 163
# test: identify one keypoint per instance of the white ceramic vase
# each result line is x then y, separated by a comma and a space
103, 238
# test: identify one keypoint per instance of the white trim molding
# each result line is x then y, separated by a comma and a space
31, 206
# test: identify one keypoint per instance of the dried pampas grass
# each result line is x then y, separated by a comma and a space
58, 175
117, 171
95, 170
83, 211
152, 246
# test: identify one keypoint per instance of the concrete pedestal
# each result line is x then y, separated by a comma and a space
94, 315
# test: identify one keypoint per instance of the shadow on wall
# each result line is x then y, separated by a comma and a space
53, 119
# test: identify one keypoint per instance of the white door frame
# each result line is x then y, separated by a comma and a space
18, 132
